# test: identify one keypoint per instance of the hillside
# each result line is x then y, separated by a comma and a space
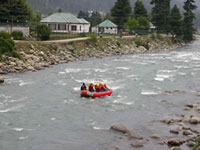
73, 6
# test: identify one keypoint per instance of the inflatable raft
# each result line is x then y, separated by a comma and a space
86, 93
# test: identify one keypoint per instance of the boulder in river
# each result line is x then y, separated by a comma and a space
175, 142
1, 79
137, 144
133, 134
120, 128
187, 132
176, 148
194, 120
155, 136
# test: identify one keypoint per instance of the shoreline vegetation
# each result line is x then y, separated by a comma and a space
39, 55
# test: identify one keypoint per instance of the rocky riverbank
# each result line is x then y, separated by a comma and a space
38, 55
183, 130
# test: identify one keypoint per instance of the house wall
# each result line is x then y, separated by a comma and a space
80, 28
110, 30
25, 30
105, 30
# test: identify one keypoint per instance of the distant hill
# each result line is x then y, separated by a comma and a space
73, 6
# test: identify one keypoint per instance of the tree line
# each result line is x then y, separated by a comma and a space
166, 19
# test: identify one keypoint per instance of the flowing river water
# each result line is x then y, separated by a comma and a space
44, 111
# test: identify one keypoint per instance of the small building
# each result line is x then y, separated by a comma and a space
106, 27
66, 23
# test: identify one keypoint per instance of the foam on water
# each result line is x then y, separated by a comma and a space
18, 129
122, 68
22, 83
14, 108
149, 92
62, 83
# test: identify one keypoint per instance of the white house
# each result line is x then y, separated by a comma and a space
106, 27
66, 23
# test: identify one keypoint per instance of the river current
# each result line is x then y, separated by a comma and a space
44, 111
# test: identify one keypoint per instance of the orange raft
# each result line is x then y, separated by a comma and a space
86, 93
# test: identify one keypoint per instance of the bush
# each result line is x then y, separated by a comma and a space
6, 45
153, 36
139, 43
17, 35
4, 35
93, 38
197, 144
43, 32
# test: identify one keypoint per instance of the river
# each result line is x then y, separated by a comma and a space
44, 111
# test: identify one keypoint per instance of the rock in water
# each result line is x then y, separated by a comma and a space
1, 79
120, 128
137, 144
175, 142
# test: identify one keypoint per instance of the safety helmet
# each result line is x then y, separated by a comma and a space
101, 83
91, 84
104, 84
97, 84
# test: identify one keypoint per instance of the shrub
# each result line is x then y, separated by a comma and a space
160, 37
153, 36
4, 35
138, 43
16, 55
43, 32
17, 35
197, 144
6, 45
93, 38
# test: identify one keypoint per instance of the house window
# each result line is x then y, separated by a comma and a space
111, 28
52, 26
61, 27
80, 28
73, 28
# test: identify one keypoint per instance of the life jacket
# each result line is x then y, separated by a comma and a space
101, 88
97, 88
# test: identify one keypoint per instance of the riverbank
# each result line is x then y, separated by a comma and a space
38, 55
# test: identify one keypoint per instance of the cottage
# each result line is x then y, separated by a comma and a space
106, 27
66, 23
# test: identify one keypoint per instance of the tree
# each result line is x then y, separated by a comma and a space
95, 18
83, 14
139, 9
15, 11
43, 32
132, 24
176, 22
161, 15
189, 16
120, 12
107, 17
143, 23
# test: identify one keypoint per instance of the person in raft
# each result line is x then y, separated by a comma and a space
97, 89
101, 87
83, 87
91, 87
105, 86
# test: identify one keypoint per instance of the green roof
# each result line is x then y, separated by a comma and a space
63, 18
84, 21
107, 24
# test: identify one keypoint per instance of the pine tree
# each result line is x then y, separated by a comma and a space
15, 11
95, 19
139, 9
120, 12
176, 22
189, 16
83, 14
161, 15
